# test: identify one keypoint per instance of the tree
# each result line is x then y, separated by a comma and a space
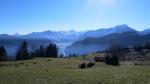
41, 52
115, 60
22, 53
52, 51
112, 54
82, 66
107, 60
147, 46
3, 54
112, 60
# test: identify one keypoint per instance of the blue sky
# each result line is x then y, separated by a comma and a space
25, 16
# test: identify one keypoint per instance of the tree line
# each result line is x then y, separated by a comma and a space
114, 52
23, 54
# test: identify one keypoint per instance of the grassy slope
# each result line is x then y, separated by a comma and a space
65, 71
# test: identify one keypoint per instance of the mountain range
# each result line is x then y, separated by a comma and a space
79, 42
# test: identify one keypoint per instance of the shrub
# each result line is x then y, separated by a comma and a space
112, 60
21, 63
90, 64
135, 64
115, 60
34, 62
107, 60
26, 65
48, 60
46, 70
82, 66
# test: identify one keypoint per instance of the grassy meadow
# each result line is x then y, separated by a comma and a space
66, 71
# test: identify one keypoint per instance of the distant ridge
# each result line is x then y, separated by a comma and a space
66, 38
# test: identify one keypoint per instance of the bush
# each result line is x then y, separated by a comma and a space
82, 66
107, 60
48, 60
112, 60
34, 62
115, 60
135, 64
21, 63
90, 64
26, 65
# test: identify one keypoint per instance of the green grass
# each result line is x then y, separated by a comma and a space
66, 71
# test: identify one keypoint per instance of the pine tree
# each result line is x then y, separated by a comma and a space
115, 60
52, 51
22, 53
107, 60
3, 54
41, 52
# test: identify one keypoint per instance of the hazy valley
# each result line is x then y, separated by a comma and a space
79, 43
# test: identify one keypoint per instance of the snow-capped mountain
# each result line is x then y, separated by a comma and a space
73, 35
147, 31
107, 31
67, 38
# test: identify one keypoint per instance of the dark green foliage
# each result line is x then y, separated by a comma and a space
112, 54
52, 51
90, 64
135, 64
112, 60
3, 54
48, 60
107, 60
26, 65
72, 55
22, 53
41, 52
115, 60
21, 63
82, 66
35, 62
35, 53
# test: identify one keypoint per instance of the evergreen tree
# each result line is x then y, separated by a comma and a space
115, 60
113, 51
3, 54
22, 53
112, 60
41, 52
107, 60
52, 51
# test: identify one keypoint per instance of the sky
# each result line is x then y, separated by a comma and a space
25, 16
